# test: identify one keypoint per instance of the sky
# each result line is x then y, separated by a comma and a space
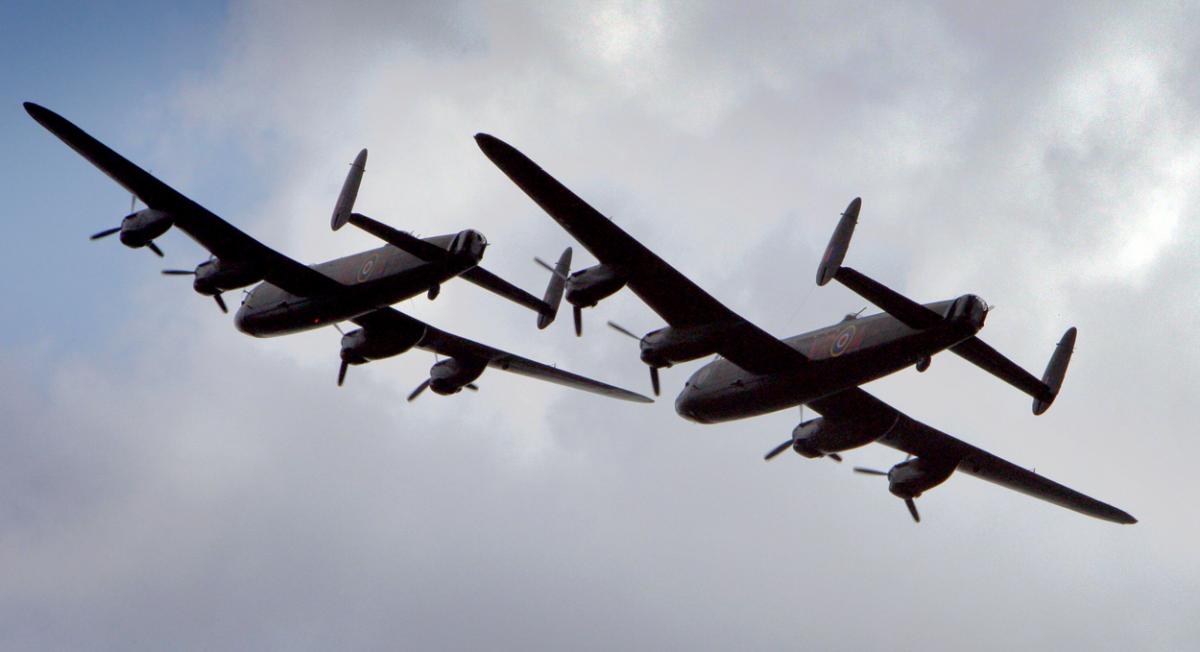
168, 482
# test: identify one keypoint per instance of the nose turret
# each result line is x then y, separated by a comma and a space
686, 406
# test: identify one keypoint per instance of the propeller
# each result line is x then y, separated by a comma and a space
191, 272
908, 501
107, 232
774, 452
425, 385
654, 381
576, 311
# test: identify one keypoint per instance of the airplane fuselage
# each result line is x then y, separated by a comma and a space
841, 356
374, 279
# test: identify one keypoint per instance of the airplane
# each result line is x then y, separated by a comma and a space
755, 373
291, 297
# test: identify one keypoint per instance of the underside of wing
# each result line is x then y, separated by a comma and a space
447, 344
922, 441
222, 239
675, 298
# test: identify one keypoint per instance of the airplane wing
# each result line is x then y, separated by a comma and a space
669, 293
213, 233
443, 343
916, 438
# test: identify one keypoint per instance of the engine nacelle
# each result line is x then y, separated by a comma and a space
361, 345
819, 437
911, 478
589, 286
215, 276
449, 376
468, 245
666, 346
138, 229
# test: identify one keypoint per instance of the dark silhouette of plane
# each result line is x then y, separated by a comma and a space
756, 373
292, 297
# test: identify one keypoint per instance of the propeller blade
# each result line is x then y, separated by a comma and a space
912, 509
549, 268
835, 457
105, 233
578, 314
472, 386
654, 380
153, 247
417, 392
221, 303
342, 373
179, 272
866, 471
132, 201
777, 450
624, 331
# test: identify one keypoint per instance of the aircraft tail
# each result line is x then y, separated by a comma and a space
345, 201
554, 290
1056, 369
919, 317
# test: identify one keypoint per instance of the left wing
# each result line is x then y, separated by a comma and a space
441, 342
916, 438
213, 233
669, 293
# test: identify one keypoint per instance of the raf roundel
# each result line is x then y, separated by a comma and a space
366, 269
842, 343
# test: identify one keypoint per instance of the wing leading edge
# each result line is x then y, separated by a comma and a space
916, 438
221, 238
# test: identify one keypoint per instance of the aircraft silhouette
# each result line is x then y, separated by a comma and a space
757, 373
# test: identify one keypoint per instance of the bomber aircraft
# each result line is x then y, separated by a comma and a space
291, 297
755, 373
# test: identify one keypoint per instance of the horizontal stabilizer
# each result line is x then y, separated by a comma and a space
839, 243
406, 242
430, 252
1056, 370
908, 312
349, 193
978, 353
554, 291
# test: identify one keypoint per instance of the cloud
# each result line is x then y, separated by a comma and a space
182, 484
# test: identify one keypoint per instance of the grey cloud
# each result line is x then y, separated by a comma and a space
193, 488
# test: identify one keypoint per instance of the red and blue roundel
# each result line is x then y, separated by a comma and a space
843, 341
367, 267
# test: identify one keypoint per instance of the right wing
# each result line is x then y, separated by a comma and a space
916, 438
441, 342
218, 236
669, 293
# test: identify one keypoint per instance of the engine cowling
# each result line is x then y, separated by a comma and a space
666, 346
911, 478
360, 345
140, 228
449, 376
589, 286
820, 437
215, 276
